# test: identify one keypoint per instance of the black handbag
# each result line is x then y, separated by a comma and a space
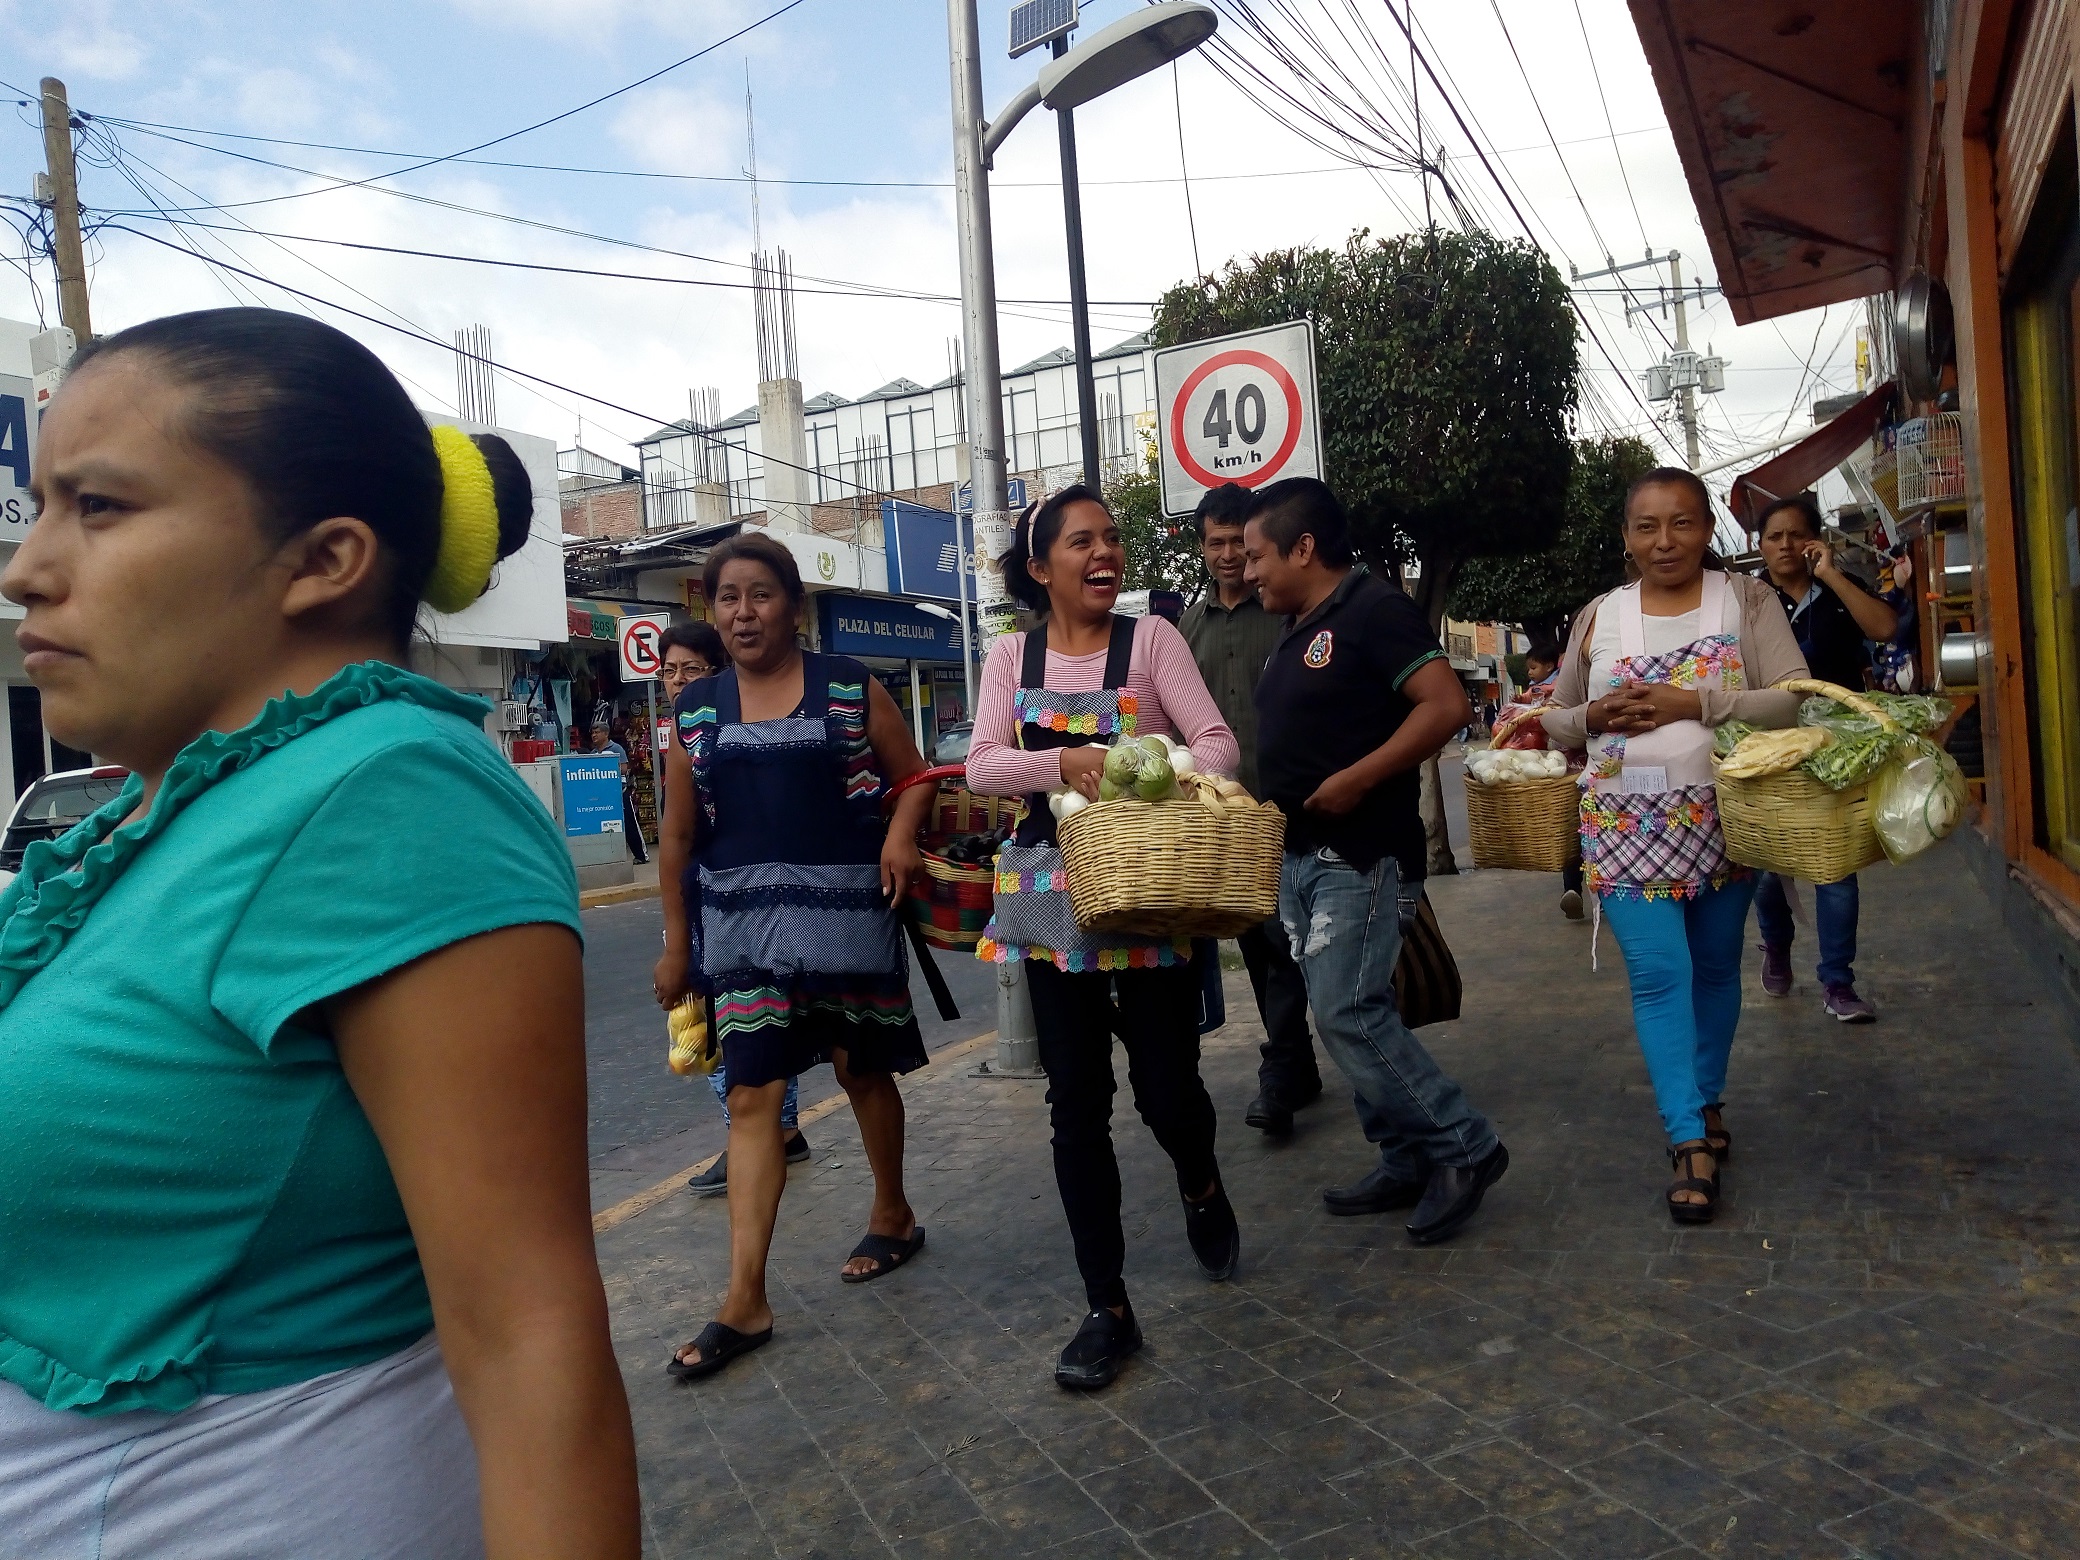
1427, 988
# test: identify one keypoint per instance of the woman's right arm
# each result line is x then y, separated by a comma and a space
997, 766
675, 833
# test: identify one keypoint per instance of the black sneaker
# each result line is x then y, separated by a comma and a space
1453, 1196
1095, 1354
799, 1152
1216, 1240
713, 1181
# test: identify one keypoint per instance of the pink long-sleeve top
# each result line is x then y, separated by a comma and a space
1161, 675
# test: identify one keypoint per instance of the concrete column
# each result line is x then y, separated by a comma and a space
783, 442
710, 503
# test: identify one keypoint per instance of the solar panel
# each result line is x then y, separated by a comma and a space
1040, 21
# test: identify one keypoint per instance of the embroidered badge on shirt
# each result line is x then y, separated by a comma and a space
1319, 651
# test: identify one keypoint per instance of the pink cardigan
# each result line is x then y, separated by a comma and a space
1161, 675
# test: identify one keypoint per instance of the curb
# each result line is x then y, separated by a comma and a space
625, 893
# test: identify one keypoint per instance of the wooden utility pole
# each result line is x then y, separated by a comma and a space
65, 241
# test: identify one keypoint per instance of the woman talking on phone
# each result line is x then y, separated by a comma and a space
1834, 619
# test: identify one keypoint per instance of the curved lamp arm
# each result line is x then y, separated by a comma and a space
993, 133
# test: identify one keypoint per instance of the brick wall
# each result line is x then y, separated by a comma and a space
603, 509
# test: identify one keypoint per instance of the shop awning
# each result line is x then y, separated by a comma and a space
1811, 458
1791, 123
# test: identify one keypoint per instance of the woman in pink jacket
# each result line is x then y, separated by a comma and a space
1084, 677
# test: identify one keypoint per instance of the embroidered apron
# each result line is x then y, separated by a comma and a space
1650, 815
1033, 918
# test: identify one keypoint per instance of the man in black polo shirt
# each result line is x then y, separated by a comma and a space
1231, 636
1356, 696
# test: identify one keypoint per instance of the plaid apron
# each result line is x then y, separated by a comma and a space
1033, 918
1650, 815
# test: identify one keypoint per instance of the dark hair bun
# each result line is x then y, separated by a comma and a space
512, 490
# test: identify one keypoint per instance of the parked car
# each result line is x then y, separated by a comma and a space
952, 746
54, 804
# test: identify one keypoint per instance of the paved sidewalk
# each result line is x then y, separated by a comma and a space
1871, 1353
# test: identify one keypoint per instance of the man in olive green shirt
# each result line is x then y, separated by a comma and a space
1232, 636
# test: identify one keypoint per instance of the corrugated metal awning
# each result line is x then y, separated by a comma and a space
1811, 458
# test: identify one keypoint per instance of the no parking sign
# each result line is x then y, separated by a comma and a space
1240, 409
641, 660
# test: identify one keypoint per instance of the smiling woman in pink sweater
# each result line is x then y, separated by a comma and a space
1050, 700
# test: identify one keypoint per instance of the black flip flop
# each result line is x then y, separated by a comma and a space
886, 1250
719, 1343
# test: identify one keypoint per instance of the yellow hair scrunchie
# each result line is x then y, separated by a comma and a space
469, 523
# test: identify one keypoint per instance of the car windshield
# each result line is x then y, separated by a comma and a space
67, 801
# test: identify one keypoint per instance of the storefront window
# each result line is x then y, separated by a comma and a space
2042, 304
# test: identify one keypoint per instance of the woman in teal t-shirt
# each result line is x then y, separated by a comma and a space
295, 1236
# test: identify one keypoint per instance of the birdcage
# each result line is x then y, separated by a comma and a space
1931, 460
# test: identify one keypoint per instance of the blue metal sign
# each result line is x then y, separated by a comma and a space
591, 794
1014, 496
895, 630
923, 551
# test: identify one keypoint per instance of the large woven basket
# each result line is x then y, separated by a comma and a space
1172, 869
1791, 823
1531, 825
953, 901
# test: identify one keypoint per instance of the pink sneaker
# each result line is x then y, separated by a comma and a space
1776, 971
1844, 1004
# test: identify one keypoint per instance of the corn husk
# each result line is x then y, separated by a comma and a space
1763, 753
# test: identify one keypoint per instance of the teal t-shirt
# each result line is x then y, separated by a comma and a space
192, 1200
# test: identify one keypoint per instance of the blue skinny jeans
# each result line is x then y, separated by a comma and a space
790, 1106
1683, 958
1834, 910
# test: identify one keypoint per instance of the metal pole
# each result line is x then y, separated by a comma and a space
960, 575
1079, 294
65, 241
917, 709
1687, 396
1018, 1044
656, 772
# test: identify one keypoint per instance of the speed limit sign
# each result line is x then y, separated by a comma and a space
1239, 409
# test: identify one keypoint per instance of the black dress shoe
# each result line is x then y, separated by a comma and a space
713, 1181
1269, 1112
1100, 1347
1454, 1193
799, 1152
1216, 1240
1378, 1192
1307, 1093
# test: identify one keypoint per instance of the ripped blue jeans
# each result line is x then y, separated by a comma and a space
1345, 929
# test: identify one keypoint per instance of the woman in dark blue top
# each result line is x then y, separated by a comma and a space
780, 881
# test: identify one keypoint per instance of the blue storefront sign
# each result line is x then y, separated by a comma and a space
591, 794
924, 551
894, 630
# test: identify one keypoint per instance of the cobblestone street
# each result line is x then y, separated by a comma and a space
1871, 1352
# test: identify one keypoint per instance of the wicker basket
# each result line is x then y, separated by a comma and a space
1173, 869
1792, 824
1530, 825
953, 901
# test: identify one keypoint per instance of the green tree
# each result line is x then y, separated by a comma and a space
1446, 364
1162, 554
1541, 591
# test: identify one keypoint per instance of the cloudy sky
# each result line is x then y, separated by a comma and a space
853, 136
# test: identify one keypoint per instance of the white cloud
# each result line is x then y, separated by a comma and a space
580, 19
682, 130
88, 42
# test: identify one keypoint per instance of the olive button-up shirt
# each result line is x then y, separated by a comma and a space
1231, 645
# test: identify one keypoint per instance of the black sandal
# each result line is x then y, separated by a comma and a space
1717, 1139
1683, 1157
887, 1250
719, 1343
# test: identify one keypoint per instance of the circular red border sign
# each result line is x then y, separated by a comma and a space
641, 646
1219, 360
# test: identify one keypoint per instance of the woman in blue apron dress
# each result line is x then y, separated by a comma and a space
1038, 700
784, 914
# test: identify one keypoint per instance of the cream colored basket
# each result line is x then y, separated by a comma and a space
1172, 869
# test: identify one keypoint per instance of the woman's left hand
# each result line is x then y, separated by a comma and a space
899, 864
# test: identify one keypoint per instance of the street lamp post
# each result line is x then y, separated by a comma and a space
1079, 293
1136, 44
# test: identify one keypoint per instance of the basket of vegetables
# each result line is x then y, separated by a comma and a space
1523, 810
954, 894
1166, 851
1854, 780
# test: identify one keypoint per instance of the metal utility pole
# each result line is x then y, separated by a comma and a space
1018, 1042
65, 241
1079, 293
1686, 392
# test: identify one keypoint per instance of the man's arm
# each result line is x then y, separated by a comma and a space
1440, 709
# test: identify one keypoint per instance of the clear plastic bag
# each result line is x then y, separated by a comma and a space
1916, 800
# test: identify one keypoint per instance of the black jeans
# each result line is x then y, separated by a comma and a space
1157, 1018
633, 826
1288, 1066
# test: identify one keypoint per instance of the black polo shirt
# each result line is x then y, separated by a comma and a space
1331, 694
1828, 633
